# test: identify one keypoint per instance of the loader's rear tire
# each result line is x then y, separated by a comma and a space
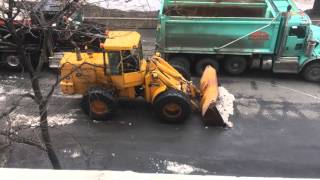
182, 65
235, 65
172, 106
312, 72
203, 63
98, 103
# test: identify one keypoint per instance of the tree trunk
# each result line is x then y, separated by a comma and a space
316, 7
46, 136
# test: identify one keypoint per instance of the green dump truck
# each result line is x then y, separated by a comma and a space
239, 34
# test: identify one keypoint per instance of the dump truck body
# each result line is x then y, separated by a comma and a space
265, 34
198, 32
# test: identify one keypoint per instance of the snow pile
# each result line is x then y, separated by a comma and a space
33, 121
304, 4
182, 168
225, 105
1, 90
128, 5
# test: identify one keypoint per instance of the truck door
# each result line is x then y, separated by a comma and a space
295, 41
289, 60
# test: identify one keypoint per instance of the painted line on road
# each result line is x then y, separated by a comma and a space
294, 90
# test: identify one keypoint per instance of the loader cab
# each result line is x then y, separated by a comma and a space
125, 65
123, 61
124, 51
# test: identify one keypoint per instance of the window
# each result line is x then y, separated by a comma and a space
115, 62
299, 31
130, 61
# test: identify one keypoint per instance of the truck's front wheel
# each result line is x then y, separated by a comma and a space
312, 72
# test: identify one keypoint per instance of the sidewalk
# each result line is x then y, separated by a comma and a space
35, 174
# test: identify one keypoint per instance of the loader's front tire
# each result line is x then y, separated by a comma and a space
172, 106
98, 103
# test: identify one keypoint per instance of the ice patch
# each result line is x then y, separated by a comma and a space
225, 105
182, 168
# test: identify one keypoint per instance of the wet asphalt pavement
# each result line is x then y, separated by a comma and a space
276, 132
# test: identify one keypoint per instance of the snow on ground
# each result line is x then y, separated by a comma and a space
154, 5
128, 5
182, 168
225, 105
32, 121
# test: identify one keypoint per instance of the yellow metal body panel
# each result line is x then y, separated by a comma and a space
153, 75
122, 40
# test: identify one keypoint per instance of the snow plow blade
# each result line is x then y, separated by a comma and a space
209, 92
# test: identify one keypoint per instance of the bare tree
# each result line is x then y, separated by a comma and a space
316, 7
16, 16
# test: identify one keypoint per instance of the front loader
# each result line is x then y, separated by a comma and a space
119, 71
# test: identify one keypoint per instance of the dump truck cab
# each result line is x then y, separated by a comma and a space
298, 49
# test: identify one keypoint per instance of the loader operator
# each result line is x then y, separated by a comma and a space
130, 62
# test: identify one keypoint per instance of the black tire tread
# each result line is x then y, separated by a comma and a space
180, 60
206, 61
103, 93
230, 59
183, 71
306, 70
176, 96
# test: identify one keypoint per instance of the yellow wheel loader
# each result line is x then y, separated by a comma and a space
119, 71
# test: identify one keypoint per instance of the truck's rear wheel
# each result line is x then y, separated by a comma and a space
183, 71
180, 60
98, 103
235, 65
172, 106
312, 72
182, 65
203, 63
12, 62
